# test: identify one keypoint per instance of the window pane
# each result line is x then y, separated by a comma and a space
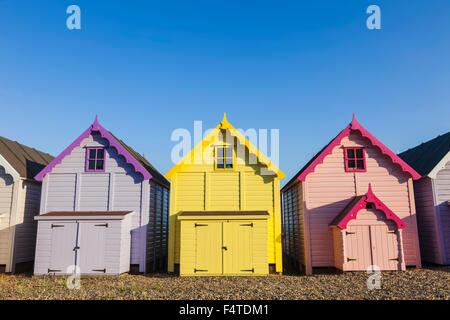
91, 165
100, 153
220, 153
359, 153
229, 163
229, 152
92, 153
360, 164
220, 165
99, 165
350, 153
351, 164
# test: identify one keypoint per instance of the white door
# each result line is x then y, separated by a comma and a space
64, 237
91, 243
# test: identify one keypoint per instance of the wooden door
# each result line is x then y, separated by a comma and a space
238, 247
208, 248
384, 245
91, 244
63, 246
358, 248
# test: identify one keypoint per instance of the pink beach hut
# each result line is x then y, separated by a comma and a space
351, 207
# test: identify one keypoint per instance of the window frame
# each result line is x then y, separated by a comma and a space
224, 146
346, 159
88, 149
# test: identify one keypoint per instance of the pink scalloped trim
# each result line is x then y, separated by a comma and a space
112, 142
370, 197
356, 126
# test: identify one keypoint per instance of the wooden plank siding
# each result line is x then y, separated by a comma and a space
442, 199
198, 186
68, 187
330, 188
26, 226
6, 199
426, 220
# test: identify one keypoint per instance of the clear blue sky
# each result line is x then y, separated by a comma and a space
149, 67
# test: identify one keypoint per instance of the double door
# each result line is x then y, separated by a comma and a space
78, 244
224, 247
368, 245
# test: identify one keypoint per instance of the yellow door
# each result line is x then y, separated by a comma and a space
208, 248
238, 247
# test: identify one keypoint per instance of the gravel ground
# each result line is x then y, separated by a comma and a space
430, 283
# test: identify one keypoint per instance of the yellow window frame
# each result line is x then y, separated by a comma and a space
224, 157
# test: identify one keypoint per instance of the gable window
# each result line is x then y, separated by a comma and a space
355, 159
224, 158
95, 159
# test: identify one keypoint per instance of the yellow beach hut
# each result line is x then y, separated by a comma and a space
225, 208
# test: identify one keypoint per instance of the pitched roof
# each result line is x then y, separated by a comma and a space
426, 156
225, 125
361, 202
353, 126
25, 160
133, 158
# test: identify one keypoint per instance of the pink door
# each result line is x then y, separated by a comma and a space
358, 250
368, 245
385, 250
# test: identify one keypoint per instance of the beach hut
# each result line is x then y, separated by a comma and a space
104, 209
225, 208
432, 195
351, 207
19, 203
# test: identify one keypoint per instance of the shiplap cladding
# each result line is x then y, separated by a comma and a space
119, 187
26, 226
293, 239
330, 187
6, 199
426, 220
442, 194
157, 229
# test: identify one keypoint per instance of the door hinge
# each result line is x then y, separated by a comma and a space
251, 270
347, 233
200, 225
395, 259
53, 270
57, 226
248, 225
101, 225
198, 270
100, 270
350, 259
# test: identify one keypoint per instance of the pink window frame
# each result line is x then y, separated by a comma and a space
88, 149
347, 169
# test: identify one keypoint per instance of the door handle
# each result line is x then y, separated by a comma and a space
224, 248
76, 248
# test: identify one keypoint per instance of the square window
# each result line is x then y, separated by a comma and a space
224, 158
92, 153
355, 159
95, 159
